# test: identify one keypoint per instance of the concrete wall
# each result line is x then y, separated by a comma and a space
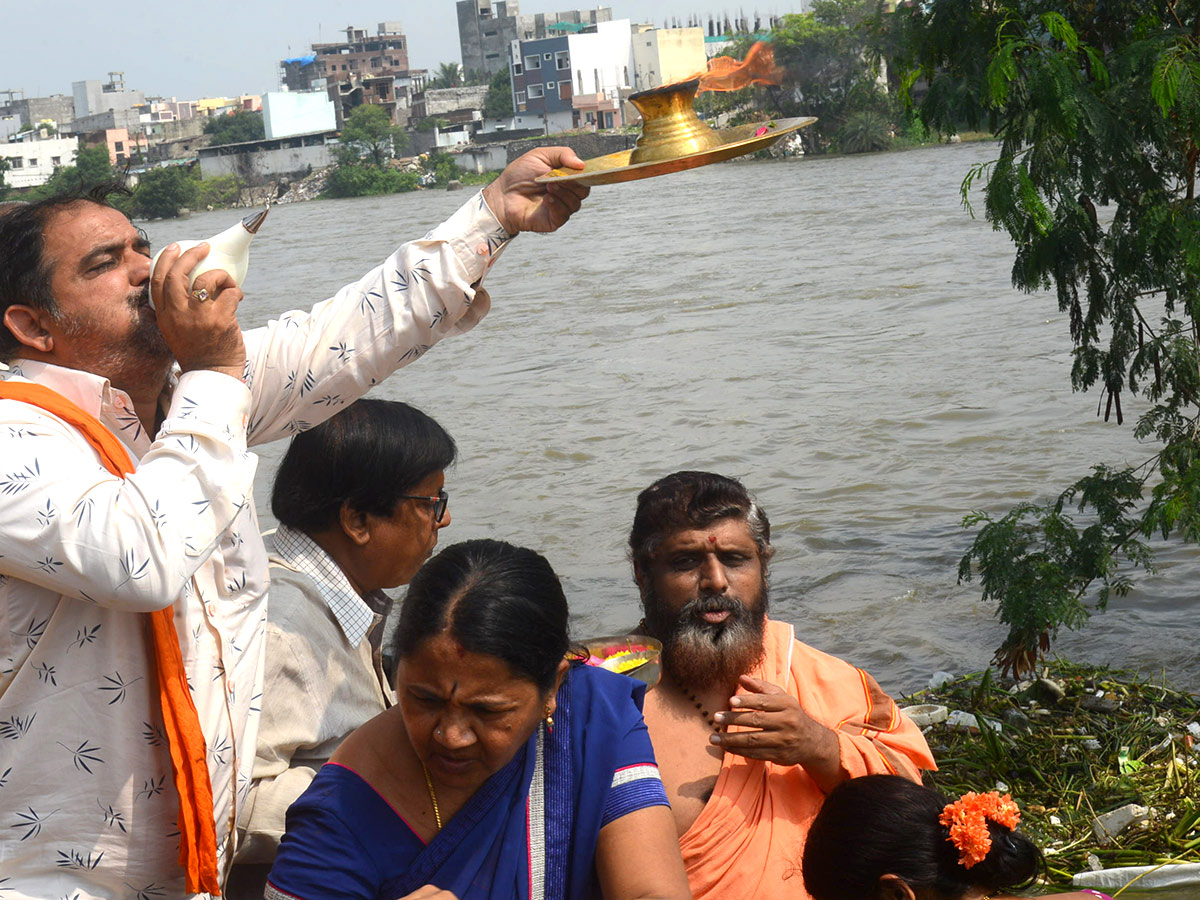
440, 101
289, 113
585, 145
257, 165
129, 119
488, 158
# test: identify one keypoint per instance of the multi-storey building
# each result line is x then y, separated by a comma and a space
487, 28
32, 160
576, 80
94, 97
364, 68
363, 55
31, 111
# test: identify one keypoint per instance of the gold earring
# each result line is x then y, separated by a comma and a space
549, 719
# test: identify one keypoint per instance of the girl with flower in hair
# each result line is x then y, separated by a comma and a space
882, 837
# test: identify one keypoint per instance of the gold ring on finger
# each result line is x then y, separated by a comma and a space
200, 295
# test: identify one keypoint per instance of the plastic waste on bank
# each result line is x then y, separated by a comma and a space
229, 250
1171, 875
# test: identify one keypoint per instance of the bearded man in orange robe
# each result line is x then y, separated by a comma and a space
751, 727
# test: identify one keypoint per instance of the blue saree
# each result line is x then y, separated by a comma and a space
528, 833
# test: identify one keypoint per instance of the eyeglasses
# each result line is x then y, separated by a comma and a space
440, 502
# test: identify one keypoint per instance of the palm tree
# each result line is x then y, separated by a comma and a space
449, 74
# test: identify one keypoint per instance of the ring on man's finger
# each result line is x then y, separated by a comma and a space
200, 295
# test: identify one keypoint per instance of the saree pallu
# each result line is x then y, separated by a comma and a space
528, 833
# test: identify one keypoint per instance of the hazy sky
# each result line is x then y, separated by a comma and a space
222, 48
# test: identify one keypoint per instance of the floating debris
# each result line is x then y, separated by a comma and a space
1111, 749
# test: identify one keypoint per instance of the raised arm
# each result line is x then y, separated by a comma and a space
305, 366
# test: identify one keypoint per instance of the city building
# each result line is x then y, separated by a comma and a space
364, 68
363, 55
122, 144
32, 160
302, 73
576, 80
94, 97
487, 29
459, 111
666, 55
57, 108
9, 126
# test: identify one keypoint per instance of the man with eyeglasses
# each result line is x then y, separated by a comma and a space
360, 500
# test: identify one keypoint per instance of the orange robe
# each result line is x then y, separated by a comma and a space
748, 840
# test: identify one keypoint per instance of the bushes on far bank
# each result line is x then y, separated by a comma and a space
366, 180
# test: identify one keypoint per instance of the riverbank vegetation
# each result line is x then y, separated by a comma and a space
1070, 744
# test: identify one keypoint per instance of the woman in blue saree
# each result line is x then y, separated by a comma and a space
503, 772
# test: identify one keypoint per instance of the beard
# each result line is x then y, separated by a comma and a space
699, 654
141, 355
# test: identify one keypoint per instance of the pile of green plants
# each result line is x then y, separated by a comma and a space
1072, 743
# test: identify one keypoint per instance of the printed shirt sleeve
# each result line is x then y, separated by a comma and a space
303, 367
128, 543
636, 783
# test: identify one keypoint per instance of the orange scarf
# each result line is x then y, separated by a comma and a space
197, 830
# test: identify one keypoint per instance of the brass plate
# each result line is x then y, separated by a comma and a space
615, 167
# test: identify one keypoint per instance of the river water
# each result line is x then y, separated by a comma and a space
837, 332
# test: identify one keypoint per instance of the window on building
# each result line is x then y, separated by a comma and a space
33, 163
533, 62
16, 162
562, 60
56, 160
550, 85
535, 91
489, 34
518, 69
119, 146
519, 96
564, 90
547, 55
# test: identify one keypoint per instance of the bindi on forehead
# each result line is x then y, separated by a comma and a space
712, 538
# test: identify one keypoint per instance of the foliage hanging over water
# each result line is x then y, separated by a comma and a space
1097, 107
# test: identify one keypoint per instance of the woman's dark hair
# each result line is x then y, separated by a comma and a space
494, 599
366, 457
884, 824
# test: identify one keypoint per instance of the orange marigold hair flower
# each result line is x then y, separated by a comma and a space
967, 820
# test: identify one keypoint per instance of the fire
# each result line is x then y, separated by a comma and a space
724, 73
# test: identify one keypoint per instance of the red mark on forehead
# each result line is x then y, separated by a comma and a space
712, 538
460, 650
